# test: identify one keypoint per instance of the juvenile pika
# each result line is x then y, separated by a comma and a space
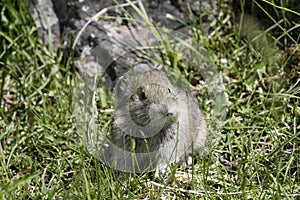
155, 122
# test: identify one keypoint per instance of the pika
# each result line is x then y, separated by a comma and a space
156, 123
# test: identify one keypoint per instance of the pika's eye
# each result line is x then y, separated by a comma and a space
169, 90
143, 96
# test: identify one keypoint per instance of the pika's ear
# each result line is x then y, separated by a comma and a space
125, 87
122, 84
121, 89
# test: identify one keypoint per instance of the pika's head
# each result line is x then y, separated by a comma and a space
153, 103
146, 102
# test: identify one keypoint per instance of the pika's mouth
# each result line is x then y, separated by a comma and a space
160, 114
172, 117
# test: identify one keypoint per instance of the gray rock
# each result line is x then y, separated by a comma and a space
46, 22
104, 43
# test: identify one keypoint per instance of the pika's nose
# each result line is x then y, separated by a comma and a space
159, 109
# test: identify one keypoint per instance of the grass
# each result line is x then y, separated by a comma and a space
42, 155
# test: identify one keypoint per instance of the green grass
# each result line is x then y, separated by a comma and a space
42, 155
